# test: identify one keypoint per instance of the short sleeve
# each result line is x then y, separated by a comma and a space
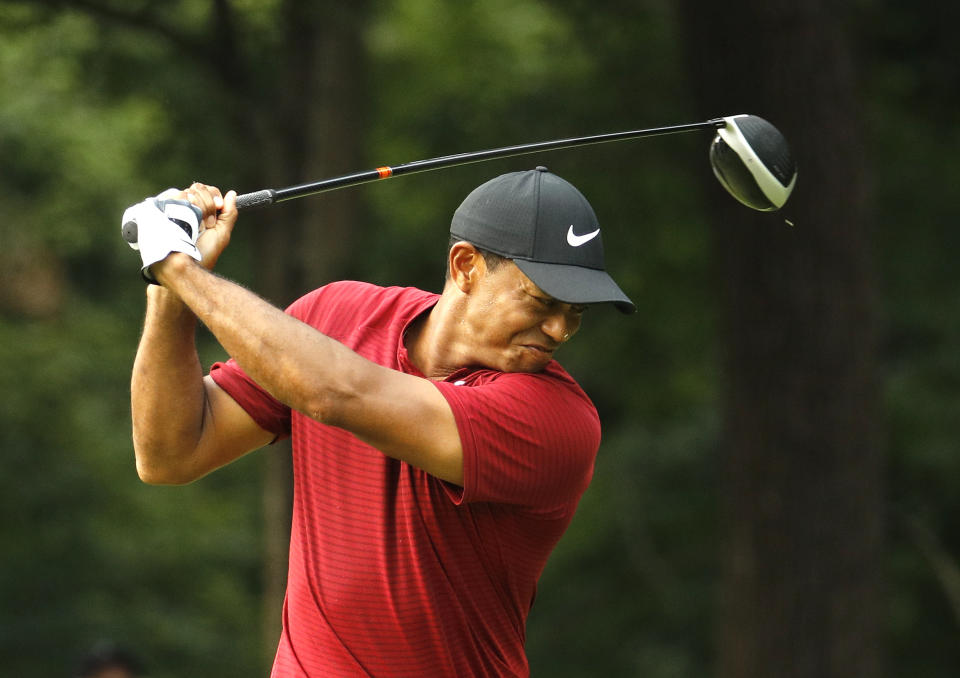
528, 439
269, 413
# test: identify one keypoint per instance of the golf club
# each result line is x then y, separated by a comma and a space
749, 156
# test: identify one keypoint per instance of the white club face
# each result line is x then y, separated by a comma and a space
736, 144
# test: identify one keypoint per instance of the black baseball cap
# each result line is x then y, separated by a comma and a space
549, 230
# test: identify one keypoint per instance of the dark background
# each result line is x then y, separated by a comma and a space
777, 489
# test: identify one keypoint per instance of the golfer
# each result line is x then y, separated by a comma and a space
439, 451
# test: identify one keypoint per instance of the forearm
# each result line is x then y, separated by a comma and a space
403, 416
297, 365
167, 392
186, 426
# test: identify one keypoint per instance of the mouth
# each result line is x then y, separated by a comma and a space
540, 349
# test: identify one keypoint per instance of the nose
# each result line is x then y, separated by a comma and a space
561, 326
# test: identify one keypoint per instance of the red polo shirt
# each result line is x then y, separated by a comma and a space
392, 571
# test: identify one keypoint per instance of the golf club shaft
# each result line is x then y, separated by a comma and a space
272, 196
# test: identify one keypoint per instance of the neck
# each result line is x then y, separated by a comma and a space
436, 343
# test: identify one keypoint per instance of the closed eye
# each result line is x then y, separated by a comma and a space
550, 302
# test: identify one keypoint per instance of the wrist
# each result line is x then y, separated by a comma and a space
168, 304
172, 267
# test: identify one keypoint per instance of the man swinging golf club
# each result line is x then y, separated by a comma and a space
439, 450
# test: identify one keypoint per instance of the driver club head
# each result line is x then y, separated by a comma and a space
752, 160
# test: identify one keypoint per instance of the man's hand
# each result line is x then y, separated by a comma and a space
160, 226
197, 221
219, 215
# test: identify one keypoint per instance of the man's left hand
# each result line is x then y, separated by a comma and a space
159, 226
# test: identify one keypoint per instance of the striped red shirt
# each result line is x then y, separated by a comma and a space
392, 571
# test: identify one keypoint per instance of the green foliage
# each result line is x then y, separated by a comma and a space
913, 141
97, 114
89, 551
452, 78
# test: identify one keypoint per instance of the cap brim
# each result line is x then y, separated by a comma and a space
576, 284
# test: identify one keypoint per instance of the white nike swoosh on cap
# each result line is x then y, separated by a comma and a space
575, 240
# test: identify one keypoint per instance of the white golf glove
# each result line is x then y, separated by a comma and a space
158, 226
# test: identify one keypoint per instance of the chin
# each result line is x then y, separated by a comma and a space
530, 364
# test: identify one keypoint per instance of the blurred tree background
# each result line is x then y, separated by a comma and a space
779, 478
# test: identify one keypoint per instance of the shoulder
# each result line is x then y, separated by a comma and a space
352, 292
527, 438
350, 300
558, 391
553, 381
551, 398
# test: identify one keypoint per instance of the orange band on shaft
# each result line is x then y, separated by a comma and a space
384, 172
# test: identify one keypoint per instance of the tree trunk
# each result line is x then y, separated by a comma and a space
311, 128
801, 497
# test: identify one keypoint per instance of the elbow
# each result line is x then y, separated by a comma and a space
152, 472
325, 408
151, 476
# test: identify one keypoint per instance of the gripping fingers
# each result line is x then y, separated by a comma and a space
158, 226
178, 210
174, 220
208, 199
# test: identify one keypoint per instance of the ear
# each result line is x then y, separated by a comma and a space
466, 265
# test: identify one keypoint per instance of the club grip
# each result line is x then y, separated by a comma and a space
256, 199
130, 232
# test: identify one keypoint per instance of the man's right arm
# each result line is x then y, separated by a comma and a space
184, 425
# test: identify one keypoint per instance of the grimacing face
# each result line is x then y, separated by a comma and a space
516, 326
